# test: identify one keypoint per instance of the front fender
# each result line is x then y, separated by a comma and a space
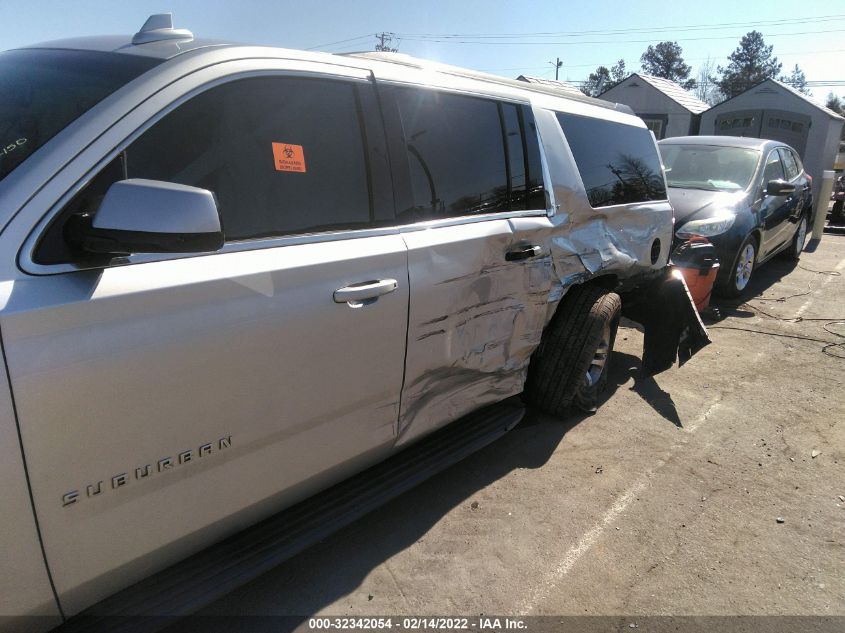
25, 591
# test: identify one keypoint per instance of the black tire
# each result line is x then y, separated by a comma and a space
728, 284
587, 317
795, 249
836, 215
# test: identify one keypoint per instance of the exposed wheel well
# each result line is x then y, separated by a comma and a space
608, 282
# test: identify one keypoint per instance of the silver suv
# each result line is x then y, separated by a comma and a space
233, 277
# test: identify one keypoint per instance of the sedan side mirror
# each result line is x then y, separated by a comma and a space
149, 216
779, 188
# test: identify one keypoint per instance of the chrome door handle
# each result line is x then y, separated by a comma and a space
364, 291
522, 253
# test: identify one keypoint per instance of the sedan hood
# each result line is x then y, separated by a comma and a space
697, 203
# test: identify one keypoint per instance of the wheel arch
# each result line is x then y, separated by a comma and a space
608, 281
757, 234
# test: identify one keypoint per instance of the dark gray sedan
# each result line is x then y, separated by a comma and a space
750, 197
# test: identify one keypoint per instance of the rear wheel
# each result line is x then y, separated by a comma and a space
739, 275
571, 365
798, 241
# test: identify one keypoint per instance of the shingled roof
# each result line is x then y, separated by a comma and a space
788, 88
565, 86
674, 91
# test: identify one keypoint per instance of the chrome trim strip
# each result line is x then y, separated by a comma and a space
277, 242
463, 90
230, 247
468, 219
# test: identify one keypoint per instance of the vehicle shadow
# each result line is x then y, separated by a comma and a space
287, 596
284, 598
626, 367
759, 289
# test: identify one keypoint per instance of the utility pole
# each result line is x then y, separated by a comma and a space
557, 64
384, 41
599, 86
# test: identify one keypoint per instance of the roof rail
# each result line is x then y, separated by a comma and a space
159, 27
414, 62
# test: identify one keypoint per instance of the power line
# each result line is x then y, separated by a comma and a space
690, 27
615, 41
809, 84
384, 41
694, 59
351, 39
490, 70
686, 59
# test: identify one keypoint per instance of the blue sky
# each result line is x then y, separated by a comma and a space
814, 39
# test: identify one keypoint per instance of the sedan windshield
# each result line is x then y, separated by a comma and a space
709, 167
43, 90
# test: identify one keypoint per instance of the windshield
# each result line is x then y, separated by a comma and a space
709, 167
42, 91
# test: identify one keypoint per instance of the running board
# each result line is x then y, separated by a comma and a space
199, 580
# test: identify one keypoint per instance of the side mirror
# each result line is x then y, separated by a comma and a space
149, 216
779, 188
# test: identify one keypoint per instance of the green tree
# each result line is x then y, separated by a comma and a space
751, 63
617, 73
665, 59
597, 82
835, 103
797, 79
603, 79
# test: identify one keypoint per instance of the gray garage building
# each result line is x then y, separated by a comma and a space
666, 108
776, 111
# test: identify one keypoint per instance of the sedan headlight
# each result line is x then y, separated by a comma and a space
707, 227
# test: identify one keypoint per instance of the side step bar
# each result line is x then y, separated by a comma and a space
197, 581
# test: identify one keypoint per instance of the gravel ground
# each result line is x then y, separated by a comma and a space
713, 489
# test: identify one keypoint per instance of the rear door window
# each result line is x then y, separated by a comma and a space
798, 162
524, 162
455, 152
517, 165
618, 163
789, 165
536, 192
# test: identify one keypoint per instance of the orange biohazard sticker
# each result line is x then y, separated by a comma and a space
288, 157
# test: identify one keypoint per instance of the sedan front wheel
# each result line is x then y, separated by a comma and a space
739, 275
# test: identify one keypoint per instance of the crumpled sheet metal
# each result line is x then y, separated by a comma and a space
474, 321
587, 242
621, 244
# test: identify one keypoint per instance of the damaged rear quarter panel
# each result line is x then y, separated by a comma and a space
587, 242
475, 319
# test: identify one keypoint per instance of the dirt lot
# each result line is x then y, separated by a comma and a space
693, 493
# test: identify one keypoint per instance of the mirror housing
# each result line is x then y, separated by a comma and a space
779, 188
149, 216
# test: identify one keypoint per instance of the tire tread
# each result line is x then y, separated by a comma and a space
568, 346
